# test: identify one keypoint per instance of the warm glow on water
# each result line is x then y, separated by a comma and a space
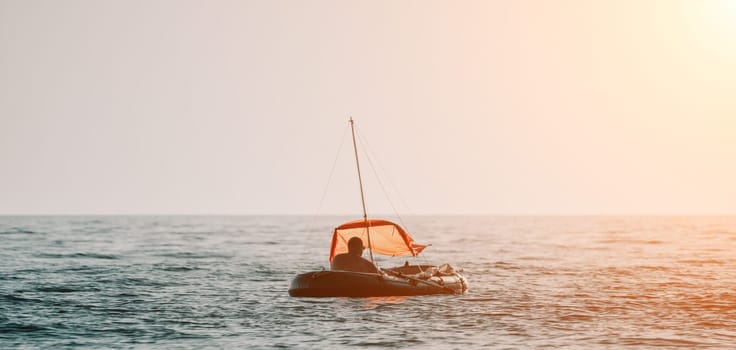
191, 282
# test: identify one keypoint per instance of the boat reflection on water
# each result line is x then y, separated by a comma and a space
371, 303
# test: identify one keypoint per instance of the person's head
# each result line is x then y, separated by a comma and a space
355, 246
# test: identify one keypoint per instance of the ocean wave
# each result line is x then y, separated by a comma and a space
9, 328
15, 298
77, 256
193, 255
531, 286
17, 230
66, 289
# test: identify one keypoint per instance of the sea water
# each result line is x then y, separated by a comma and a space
221, 282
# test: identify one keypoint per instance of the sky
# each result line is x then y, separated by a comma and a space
464, 107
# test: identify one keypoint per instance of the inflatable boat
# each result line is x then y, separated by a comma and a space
389, 239
406, 280
380, 237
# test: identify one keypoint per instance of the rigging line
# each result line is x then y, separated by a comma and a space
366, 150
332, 172
391, 184
313, 221
385, 193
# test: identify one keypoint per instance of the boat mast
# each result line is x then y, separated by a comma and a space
362, 196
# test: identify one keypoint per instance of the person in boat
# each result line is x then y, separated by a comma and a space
353, 260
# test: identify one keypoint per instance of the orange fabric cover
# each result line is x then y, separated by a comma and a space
387, 238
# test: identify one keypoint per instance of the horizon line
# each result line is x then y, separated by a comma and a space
383, 215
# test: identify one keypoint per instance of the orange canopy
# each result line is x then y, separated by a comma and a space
387, 238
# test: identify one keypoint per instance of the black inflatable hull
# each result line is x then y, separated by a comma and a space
358, 284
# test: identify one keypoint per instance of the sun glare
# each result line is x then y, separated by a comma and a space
725, 15
714, 22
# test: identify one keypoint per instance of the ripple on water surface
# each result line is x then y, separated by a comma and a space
221, 282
